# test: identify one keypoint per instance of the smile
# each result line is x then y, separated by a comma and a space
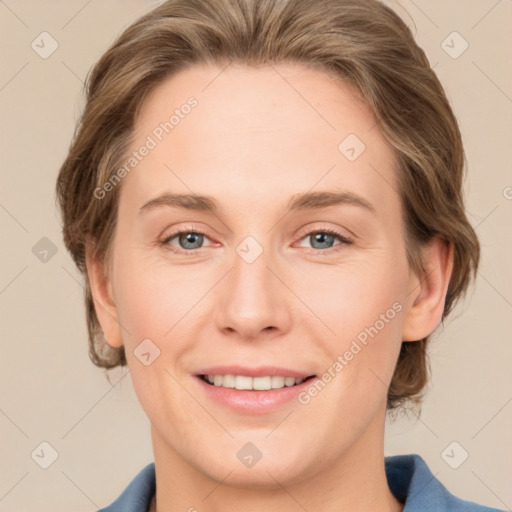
244, 382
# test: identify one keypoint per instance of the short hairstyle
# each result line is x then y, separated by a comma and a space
363, 42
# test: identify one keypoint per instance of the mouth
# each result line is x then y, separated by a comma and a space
248, 383
252, 390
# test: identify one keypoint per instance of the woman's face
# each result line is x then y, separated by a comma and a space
294, 265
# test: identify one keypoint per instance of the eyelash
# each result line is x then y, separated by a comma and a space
335, 248
312, 251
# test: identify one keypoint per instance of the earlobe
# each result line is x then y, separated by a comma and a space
104, 305
427, 292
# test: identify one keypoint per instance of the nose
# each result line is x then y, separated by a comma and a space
253, 302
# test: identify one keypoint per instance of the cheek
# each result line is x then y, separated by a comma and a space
152, 302
352, 296
152, 297
363, 304
155, 299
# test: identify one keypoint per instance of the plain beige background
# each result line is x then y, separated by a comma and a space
50, 392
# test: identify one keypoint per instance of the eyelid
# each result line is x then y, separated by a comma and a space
190, 228
303, 233
182, 227
329, 251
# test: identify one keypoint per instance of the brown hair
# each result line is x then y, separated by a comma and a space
361, 41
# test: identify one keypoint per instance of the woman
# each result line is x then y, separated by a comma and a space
265, 198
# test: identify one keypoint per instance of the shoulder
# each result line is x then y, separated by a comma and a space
137, 496
412, 482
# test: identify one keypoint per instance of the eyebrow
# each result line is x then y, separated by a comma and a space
298, 202
185, 201
315, 200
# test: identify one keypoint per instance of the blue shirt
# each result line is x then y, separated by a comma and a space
409, 479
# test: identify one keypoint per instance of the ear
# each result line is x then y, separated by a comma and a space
104, 305
427, 292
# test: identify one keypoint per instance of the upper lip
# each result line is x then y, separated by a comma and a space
260, 371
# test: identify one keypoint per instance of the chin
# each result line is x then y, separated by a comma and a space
272, 474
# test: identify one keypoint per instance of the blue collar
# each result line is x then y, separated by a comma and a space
409, 479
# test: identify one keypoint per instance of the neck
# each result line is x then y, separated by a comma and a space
355, 481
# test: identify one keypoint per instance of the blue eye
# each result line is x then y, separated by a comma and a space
192, 241
326, 240
189, 241
321, 240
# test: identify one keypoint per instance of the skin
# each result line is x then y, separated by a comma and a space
257, 138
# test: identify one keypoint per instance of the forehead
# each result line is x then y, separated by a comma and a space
268, 131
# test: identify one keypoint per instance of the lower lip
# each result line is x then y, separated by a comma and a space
250, 401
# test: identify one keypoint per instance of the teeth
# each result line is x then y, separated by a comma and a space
277, 382
243, 382
228, 381
289, 381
